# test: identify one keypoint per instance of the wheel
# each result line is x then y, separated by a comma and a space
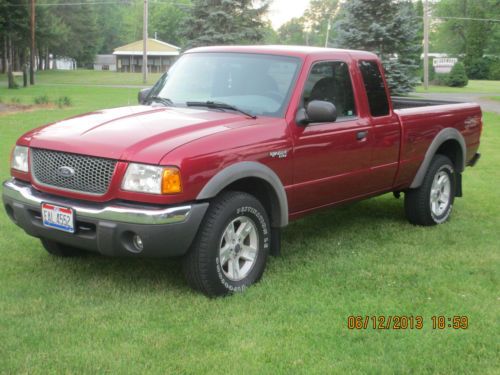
432, 202
231, 247
61, 250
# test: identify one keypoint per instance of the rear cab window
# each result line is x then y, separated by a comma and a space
375, 88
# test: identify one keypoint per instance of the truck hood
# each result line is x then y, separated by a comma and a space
139, 133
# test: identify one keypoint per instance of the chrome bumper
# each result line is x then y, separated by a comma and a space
26, 194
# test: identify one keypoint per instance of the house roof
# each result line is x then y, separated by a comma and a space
155, 47
105, 59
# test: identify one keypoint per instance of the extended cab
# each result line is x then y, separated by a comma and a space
226, 149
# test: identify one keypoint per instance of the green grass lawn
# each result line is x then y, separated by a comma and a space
473, 87
101, 315
88, 77
497, 98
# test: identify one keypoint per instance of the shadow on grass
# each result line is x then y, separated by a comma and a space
352, 219
138, 273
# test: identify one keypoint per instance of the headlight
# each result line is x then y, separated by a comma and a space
152, 179
19, 160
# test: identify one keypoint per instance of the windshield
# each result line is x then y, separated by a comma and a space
256, 83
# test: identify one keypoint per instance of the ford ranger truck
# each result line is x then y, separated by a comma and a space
228, 148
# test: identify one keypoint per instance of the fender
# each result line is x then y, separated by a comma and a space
443, 136
247, 169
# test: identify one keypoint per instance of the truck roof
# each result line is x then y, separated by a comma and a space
297, 51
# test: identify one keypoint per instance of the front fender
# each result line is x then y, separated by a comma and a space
243, 170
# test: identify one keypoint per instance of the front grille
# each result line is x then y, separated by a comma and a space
91, 175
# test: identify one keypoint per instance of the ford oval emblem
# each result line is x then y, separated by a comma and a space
65, 171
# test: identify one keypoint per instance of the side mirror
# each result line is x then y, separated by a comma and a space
143, 94
317, 111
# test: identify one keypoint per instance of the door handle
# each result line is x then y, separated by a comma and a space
361, 135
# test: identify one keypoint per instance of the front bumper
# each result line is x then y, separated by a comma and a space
108, 228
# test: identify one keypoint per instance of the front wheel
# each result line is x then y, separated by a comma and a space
432, 202
231, 248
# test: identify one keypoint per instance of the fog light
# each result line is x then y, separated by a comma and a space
137, 240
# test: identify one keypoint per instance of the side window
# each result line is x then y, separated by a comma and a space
375, 88
330, 81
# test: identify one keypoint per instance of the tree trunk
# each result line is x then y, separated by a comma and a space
17, 59
4, 55
10, 75
39, 61
25, 75
47, 59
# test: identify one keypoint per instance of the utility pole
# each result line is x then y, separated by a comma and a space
426, 44
327, 32
144, 43
32, 49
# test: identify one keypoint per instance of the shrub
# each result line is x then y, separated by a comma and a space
494, 73
15, 100
64, 101
477, 68
42, 99
440, 79
457, 76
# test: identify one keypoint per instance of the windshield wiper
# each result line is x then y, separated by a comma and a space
219, 105
161, 100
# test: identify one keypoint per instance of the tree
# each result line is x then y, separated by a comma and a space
468, 34
316, 18
14, 29
221, 22
457, 76
389, 29
168, 20
292, 32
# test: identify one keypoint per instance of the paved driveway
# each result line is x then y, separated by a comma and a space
486, 104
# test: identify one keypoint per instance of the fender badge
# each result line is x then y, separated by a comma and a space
281, 154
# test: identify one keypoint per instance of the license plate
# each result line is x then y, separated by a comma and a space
57, 217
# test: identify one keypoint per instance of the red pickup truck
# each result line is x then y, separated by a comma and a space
227, 148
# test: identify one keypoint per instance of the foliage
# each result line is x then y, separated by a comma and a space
42, 99
222, 22
316, 19
311, 27
64, 101
292, 32
494, 71
439, 79
389, 29
465, 37
457, 76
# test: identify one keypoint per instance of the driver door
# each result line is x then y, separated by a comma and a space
331, 160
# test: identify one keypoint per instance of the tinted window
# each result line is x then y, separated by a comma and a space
375, 88
330, 81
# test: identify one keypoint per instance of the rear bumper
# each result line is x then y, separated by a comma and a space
108, 228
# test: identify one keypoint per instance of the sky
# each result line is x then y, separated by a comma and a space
281, 11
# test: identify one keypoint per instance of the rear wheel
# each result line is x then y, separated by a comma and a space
61, 250
231, 248
432, 202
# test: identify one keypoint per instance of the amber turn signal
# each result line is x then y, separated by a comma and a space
171, 181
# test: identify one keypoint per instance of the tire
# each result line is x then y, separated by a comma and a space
432, 202
222, 260
60, 250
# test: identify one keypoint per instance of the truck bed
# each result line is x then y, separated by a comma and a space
399, 102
